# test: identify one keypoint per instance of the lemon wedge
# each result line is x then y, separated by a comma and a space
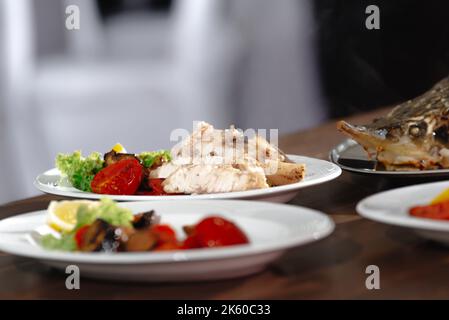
119, 148
61, 215
442, 197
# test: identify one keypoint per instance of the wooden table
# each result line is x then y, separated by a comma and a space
334, 268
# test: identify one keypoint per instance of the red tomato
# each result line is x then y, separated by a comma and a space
165, 233
438, 211
156, 188
218, 232
123, 178
166, 238
79, 235
190, 243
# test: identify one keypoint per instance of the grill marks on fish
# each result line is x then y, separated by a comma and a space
414, 135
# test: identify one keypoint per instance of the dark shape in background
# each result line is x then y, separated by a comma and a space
363, 69
111, 7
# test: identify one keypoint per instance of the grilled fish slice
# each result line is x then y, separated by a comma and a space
413, 136
212, 161
199, 179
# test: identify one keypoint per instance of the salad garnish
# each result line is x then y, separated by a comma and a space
115, 173
104, 226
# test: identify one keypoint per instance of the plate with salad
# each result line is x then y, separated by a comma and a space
202, 166
423, 208
162, 241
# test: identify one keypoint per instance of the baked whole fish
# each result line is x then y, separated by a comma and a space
413, 136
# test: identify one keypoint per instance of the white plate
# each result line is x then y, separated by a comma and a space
271, 228
317, 171
391, 207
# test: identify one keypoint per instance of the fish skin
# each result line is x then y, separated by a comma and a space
413, 135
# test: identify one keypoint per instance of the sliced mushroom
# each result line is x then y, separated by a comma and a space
101, 236
142, 240
113, 157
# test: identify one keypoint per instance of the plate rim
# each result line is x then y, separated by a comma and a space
402, 221
334, 172
194, 255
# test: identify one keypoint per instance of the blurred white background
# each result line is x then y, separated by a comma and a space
134, 76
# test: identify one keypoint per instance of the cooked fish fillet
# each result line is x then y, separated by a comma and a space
164, 170
264, 150
286, 173
209, 145
197, 179
213, 146
212, 161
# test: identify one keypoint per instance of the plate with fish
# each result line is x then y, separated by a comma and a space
423, 208
209, 163
411, 140
162, 241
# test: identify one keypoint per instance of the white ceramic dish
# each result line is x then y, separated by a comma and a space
391, 207
271, 228
317, 171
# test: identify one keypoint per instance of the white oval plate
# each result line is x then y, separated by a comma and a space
271, 228
317, 171
391, 207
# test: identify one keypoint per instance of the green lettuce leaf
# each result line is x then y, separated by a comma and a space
108, 210
65, 243
79, 170
152, 157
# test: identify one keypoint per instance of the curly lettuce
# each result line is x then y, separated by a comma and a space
107, 210
65, 243
80, 170
150, 158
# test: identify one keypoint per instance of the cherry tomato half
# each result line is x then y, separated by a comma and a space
216, 232
79, 235
164, 232
439, 211
190, 243
156, 186
122, 177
